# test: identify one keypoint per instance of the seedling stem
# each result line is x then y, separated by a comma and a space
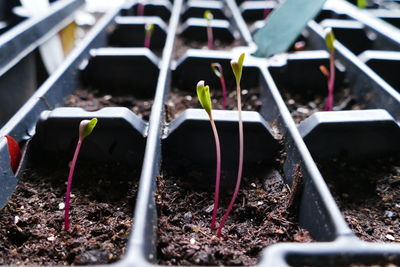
209, 17
149, 28
329, 40
85, 128
203, 93
237, 68
217, 68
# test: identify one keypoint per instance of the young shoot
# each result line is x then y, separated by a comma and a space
209, 17
140, 8
362, 3
203, 93
329, 40
149, 28
217, 68
85, 129
14, 152
237, 68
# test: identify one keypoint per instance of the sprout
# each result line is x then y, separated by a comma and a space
217, 68
140, 8
209, 17
149, 28
14, 153
237, 68
362, 3
203, 93
85, 129
329, 40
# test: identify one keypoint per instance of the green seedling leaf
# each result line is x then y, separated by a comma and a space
208, 15
237, 67
203, 93
149, 28
329, 40
216, 67
362, 3
86, 127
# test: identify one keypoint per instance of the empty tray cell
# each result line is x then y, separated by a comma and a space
115, 77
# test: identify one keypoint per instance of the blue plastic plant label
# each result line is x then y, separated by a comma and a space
284, 25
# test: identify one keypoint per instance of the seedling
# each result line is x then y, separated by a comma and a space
85, 129
14, 153
267, 11
203, 93
217, 68
237, 68
362, 3
209, 17
149, 28
329, 40
140, 8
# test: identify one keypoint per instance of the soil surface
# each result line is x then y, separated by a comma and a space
92, 100
182, 45
260, 217
102, 203
301, 106
368, 194
180, 100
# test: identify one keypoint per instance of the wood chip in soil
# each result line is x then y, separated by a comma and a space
92, 100
259, 218
368, 194
180, 100
102, 201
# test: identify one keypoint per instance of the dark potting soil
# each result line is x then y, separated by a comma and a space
92, 100
180, 100
260, 217
102, 203
183, 44
368, 194
303, 105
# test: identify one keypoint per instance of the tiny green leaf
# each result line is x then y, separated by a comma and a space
329, 40
203, 93
86, 127
208, 15
237, 67
217, 69
149, 28
362, 3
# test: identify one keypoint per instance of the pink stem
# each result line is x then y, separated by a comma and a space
140, 9
331, 83
69, 184
210, 37
240, 169
147, 39
218, 172
266, 12
223, 85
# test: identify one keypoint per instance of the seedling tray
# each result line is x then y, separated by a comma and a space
160, 141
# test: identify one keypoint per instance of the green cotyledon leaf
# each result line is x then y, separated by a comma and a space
237, 67
86, 127
203, 93
329, 40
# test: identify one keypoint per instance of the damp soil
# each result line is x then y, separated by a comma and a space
92, 100
183, 44
368, 194
303, 105
102, 203
261, 216
180, 100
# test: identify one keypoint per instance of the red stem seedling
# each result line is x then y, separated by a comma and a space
329, 40
14, 153
149, 28
210, 40
203, 93
140, 8
217, 68
85, 129
237, 68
